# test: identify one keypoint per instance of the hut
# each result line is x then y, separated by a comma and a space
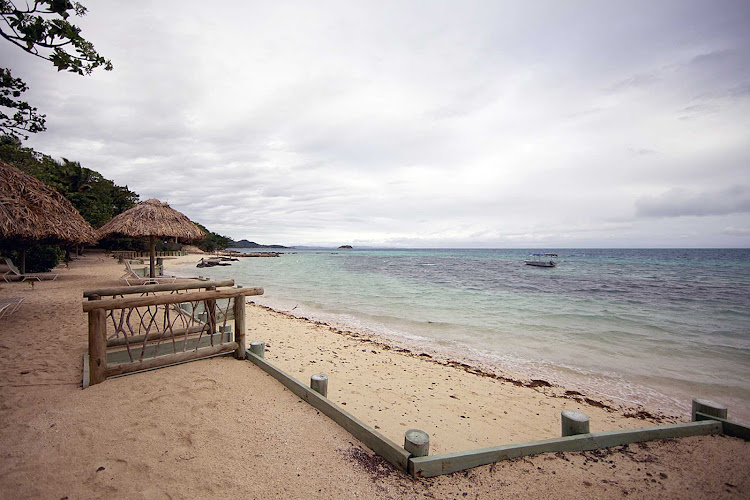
153, 219
31, 211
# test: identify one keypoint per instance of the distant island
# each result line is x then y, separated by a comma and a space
346, 247
252, 244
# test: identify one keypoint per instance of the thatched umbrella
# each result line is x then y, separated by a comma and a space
152, 219
32, 211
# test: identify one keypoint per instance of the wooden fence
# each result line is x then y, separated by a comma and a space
130, 334
137, 254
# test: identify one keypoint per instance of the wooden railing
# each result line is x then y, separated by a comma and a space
152, 331
137, 254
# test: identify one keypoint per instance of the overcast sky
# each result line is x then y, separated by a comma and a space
418, 123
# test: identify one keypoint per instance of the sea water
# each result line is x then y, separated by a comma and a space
650, 327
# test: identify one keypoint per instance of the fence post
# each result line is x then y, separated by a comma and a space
708, 407
417, 442
574, 423
239, 326
319, 384
97, 345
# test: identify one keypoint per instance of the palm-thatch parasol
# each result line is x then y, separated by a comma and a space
32, 211
152, 219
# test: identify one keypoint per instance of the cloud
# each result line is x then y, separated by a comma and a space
681, 202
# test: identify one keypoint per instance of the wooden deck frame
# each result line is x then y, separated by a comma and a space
100, 366
434, 465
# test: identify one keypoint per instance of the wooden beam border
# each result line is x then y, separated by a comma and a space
436, 465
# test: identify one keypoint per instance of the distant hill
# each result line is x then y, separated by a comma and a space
252, 244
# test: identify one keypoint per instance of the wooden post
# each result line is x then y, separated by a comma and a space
417, 442
258, 348
574, 422
152, 251
708, 407
319, 384
239, 326
97, 345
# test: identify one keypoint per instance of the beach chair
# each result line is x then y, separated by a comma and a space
13, 272
9, 305
132, 278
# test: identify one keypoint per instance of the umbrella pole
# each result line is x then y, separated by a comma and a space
23, 261
152, 245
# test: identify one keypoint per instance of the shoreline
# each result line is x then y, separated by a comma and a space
393, 388
611, 413
656, 392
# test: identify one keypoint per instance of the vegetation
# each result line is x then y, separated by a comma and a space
42, 29
213, 241
39, 258
96, 198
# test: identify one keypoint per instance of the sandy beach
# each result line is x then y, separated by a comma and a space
222, 428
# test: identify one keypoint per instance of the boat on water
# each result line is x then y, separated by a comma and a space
542, 260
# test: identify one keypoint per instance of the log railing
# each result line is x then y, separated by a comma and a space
153, 331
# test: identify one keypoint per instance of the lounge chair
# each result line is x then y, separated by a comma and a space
13, 272
8, 306
131, 277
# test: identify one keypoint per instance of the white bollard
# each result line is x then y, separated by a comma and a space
319, 384
258, 348
708, 407
417, 442
574, 423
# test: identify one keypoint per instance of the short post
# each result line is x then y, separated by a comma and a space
258, 348
417, 442
574, 423
239, 327
97, 345
708, 407
319, 384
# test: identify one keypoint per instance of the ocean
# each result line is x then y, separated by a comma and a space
649, 327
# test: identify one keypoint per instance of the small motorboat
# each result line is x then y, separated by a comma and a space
542, 260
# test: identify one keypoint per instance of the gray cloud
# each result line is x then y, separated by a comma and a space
680, 202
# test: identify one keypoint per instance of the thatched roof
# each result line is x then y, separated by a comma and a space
31, 210
152, 218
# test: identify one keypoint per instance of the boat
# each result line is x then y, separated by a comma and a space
542, 260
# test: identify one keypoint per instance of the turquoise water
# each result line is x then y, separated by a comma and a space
648, 327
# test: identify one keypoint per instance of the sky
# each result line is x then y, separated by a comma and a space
496, 124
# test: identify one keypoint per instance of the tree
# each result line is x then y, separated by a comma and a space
43, 30
96, 198
17, 116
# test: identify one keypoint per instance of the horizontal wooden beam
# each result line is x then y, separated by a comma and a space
165, 335
161, 287
171, 359
166, 347
155, 300
436, 465
371, 438
732, 429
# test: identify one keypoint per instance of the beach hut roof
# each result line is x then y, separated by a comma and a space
152, 218
32, 210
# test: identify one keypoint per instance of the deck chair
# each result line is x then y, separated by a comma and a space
8, 306
131, 277
13, 272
